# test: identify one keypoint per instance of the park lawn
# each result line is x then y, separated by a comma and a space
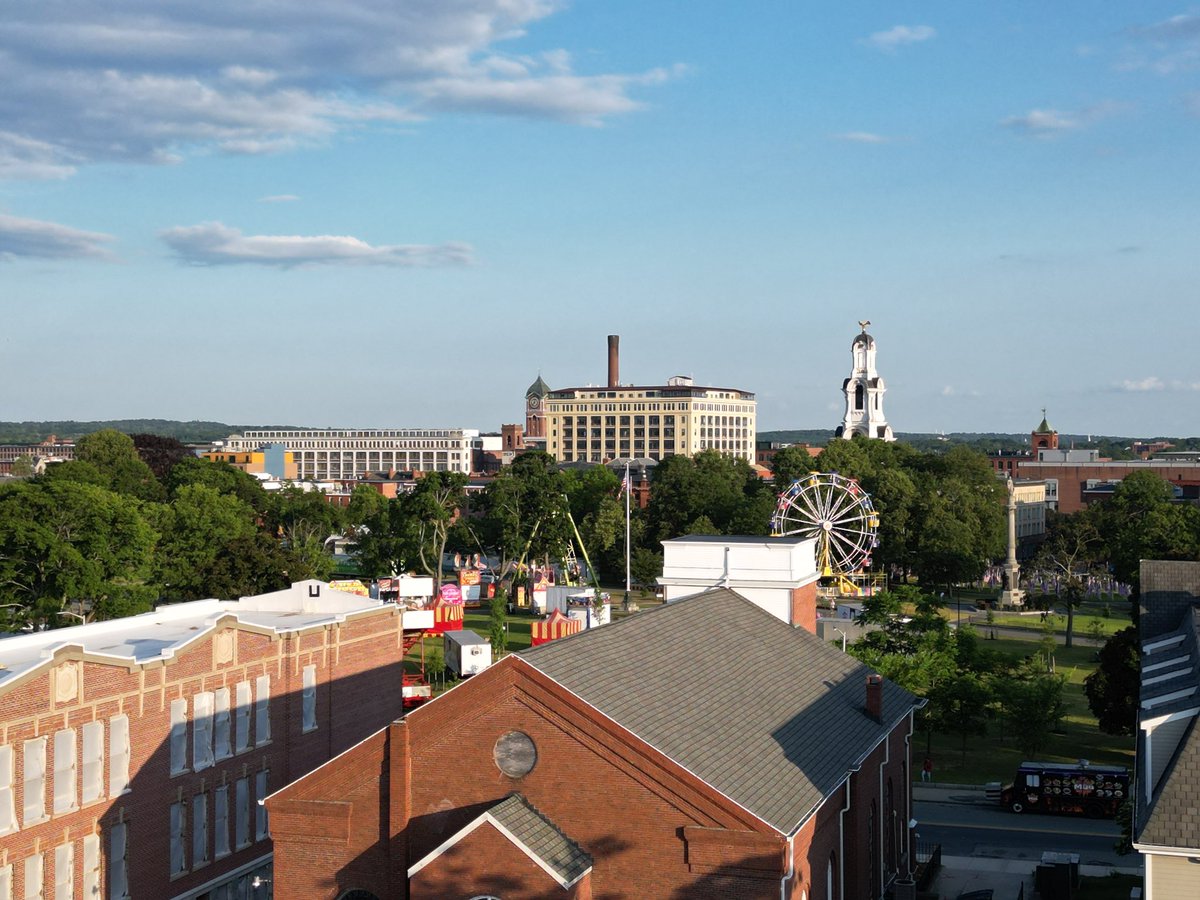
995, 758
1109, 625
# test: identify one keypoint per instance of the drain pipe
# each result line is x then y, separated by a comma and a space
841, 891
791, 869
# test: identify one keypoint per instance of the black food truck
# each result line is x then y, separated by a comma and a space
1067, 788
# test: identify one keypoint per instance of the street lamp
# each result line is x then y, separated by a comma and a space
843, 634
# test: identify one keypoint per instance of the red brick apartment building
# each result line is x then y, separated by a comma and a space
703, 749
134, 753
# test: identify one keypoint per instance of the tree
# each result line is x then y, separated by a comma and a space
498, 622
196, 527
711, 488
1033, 703
247, 565
435, 504
1072, 551
116, 458
386, 542
160, 453
302, 521
791, 463
22, 466
221, 477
1141, 521
1112, 690
961, 707
645, 566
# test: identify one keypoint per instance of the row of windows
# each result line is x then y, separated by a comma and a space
352, 433
64, 777
32, 872
192, 837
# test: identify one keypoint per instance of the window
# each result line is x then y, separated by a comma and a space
8, 800
221, 821
91, 866
200, 831
221, 746
118, 759
34, 755
241, 809
64, 771
243, 717
118, 876
6, 882
202, 731
178, 736
64, 871
262, 710
93, 761
260, 809
309, 697
34, 871
178, 853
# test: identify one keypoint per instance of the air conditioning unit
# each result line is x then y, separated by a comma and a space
475, 651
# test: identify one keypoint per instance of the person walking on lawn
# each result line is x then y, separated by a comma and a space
927, 769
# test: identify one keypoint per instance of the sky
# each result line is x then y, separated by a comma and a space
397, 213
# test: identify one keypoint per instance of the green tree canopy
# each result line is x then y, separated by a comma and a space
198, 524
116, 458
1112, 690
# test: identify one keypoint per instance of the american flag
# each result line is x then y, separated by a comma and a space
626, 484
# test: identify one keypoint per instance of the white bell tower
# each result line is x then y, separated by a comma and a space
864, 391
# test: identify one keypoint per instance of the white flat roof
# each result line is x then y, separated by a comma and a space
160, 634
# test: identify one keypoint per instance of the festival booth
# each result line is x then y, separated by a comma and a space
447, 615
553, 627
576, 603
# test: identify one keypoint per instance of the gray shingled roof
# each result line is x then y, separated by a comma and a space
767, 714
1174, 818
541, 837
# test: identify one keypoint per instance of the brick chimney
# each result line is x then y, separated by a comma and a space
614, 360
875, 697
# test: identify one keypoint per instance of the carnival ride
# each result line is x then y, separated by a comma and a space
835, 511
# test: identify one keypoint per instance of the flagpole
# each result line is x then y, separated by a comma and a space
628, 491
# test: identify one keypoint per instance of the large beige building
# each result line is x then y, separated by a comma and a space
680, 418
332, 453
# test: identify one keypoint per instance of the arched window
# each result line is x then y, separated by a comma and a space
873, 846
830, 883
892, 825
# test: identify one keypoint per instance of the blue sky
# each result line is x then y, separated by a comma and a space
398, 212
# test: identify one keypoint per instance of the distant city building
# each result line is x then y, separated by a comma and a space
765, 451
1076, 478
679, 418
864, 391
535, 414
39, 454
338, 453
270, 459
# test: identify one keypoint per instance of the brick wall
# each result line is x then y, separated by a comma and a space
358, 691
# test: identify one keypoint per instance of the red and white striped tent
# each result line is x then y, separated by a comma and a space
554, 626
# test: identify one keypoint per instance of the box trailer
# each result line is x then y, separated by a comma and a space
1070, 788
466, 653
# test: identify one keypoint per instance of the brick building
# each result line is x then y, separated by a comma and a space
133, 752
702, 749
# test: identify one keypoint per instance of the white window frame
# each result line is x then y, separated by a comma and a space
261, 829
64, 871
35, 876
91, 867
308, 697
118, 862
202, 731
93, 761
222, 747
262, 710
6, 882
33, 757
243, 717
178, 825
118, 755
66, 780
221, 846
179, 736
200, 855
8, 796
241, 814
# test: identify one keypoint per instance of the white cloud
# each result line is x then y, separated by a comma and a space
862, 137
147, 81
1042, 122
899, 36
1167, 47
214, 244
35, 239
279, 198
1149, 383
950, 390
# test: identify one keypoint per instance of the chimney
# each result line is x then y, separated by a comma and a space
614, 360
875, 697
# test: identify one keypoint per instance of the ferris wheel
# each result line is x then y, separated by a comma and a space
835, 511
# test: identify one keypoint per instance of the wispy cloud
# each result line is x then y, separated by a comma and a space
146, 81
35, 239
1046, 123
216, 244
1166, 47
1154, 383
279, 198
951, 391
862, 137
900, 36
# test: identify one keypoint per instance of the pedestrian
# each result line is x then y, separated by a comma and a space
927, 769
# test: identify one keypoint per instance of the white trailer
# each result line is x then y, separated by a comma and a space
466, 653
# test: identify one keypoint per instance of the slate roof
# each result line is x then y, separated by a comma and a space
769, 715
1173, 820
541, 837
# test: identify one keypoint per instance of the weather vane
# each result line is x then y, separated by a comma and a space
863, 323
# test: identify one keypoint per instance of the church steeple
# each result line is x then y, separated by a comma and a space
1043, 437
864, 391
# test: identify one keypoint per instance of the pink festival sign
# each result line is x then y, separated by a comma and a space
451, 593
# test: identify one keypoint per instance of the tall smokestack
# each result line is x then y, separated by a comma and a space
614, 360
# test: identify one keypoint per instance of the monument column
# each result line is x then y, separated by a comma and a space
1012, 594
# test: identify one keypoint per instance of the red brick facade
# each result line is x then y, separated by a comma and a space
653, 829
356, 675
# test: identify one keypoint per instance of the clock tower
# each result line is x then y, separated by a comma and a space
535, 412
